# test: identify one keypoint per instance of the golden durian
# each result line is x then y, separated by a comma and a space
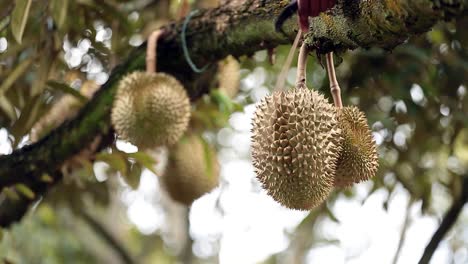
295, 146
358, 160
192, 170
150, 109
229, 76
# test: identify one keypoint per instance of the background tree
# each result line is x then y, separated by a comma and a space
88, 197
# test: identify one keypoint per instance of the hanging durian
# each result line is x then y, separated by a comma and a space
192, 170
150, 109
295, 146
358, 160
229, 76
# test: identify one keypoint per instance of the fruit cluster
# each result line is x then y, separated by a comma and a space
303, 147
152, 110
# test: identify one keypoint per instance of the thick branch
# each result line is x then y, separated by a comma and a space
448, 221
211, 35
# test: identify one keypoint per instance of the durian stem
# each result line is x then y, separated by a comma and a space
334, 86
284, 71
301, 66
151, 50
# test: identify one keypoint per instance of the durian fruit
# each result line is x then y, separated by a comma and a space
229, 76
295, 146
192, 170
150, 109
358, 160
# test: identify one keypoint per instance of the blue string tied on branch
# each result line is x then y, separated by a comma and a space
184, 44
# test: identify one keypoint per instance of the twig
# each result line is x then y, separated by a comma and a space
404, 228
111, 241
448, 221
186, 255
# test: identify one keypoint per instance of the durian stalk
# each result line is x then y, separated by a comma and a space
301, 67
151, 51
334, 85
284, 71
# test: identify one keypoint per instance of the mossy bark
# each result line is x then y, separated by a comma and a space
211, 35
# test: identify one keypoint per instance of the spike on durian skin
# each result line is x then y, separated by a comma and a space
150, 109
189, 174
295, 146
358, 160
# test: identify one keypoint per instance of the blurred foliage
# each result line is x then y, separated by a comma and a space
415, 98
44, 237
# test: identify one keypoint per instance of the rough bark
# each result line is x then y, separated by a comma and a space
211, 35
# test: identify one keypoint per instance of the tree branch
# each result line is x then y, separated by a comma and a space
104, 234
212, 35
404, 228
447, 222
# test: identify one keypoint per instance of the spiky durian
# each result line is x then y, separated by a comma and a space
192, 170
229, 76
358, 160
150, 109
295, 146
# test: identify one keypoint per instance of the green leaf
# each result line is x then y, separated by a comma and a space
25, 190
46, 178
331, 215
460, 148
28, 117
42, 73
8, 108
14, 75
11, 193
19, 17
208, 155
133, 177
115, 161
59, 9
144, 159
67, 89
223, 101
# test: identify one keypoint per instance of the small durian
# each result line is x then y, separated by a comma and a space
295, 146
150, 109
229, 76
192, 170
358, 160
